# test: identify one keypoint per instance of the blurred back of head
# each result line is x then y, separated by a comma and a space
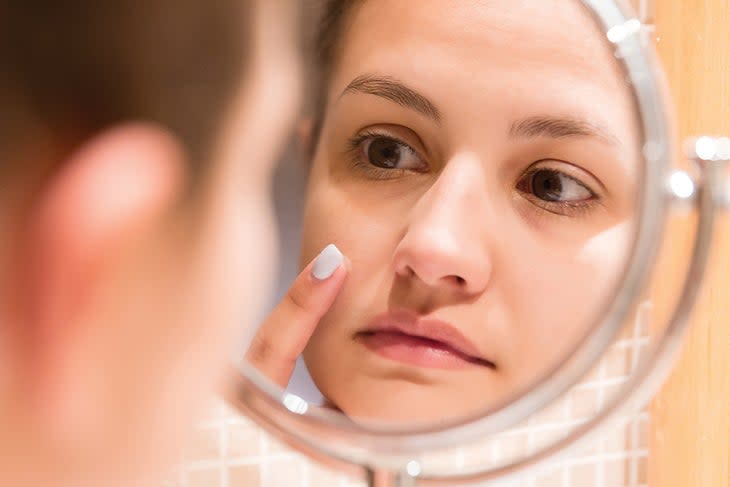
72, 68
107, 108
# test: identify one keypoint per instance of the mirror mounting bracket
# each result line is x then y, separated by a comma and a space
711, 156
382, 478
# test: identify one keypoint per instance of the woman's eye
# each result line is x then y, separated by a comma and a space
555, 187
387, 153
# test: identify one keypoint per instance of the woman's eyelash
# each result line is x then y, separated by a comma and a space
574, 209
566, 208
355, 142
353, 151
563, 208
534, 170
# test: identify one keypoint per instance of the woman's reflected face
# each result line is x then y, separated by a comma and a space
478, 165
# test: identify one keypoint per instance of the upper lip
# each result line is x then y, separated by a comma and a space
429, 328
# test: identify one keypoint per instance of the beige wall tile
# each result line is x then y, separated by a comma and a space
244, 476
204, 478
243, 440
205, 445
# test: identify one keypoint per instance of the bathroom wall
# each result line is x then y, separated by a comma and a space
690, 434
230, 451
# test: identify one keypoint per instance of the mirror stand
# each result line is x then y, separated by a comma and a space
713, 151
383, 478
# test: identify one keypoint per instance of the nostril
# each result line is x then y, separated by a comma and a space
408, 272
458, 280
453, 280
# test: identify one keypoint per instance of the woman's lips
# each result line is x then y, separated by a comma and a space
424, 343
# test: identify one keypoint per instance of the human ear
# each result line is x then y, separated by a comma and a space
116, 187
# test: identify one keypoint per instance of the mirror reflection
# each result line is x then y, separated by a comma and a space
472, 176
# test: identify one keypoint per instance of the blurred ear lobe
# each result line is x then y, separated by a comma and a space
116, 186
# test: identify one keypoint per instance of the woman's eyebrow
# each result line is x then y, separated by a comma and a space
555, 127
560, 128
395, 91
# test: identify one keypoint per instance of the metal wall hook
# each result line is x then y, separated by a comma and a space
706, 151
646, 10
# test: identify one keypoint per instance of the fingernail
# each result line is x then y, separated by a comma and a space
327, 262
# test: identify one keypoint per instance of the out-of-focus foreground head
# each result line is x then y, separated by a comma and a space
137, 141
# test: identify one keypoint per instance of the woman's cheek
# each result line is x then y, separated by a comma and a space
606, 254
323, 219
571, 301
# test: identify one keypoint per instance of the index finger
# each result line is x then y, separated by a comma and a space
282, 337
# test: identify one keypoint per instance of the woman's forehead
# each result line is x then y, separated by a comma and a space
529, 57
480, 37
533, 22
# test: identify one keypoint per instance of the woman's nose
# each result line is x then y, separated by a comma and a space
445, 245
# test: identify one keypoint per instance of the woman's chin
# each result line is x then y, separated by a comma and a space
407, 414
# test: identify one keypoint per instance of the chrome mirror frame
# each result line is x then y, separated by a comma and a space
331, 438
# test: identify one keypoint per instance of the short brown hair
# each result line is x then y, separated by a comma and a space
333, 17
70, 68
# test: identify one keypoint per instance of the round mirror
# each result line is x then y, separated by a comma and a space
470, 217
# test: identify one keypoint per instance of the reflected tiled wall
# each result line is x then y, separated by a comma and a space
230, 451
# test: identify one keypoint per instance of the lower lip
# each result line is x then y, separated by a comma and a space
413, 350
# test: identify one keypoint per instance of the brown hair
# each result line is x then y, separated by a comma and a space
330, 29
71, 68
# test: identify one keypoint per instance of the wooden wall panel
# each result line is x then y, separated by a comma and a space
690, 418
